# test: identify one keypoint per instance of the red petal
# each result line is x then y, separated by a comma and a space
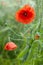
25, 19
10, 46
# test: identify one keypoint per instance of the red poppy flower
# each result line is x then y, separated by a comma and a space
25, 15
10, 46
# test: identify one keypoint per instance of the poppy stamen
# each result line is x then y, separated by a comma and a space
25, 14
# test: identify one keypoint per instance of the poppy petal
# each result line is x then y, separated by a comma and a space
10, 46
25, 15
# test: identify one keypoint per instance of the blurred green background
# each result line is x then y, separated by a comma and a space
30, 50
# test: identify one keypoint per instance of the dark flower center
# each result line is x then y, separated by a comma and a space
25, 13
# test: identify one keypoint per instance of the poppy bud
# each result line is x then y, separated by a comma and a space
10, 46
37, 37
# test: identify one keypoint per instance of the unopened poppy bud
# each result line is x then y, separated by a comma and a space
37, 36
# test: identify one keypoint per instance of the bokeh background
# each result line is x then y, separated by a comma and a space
30, 48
